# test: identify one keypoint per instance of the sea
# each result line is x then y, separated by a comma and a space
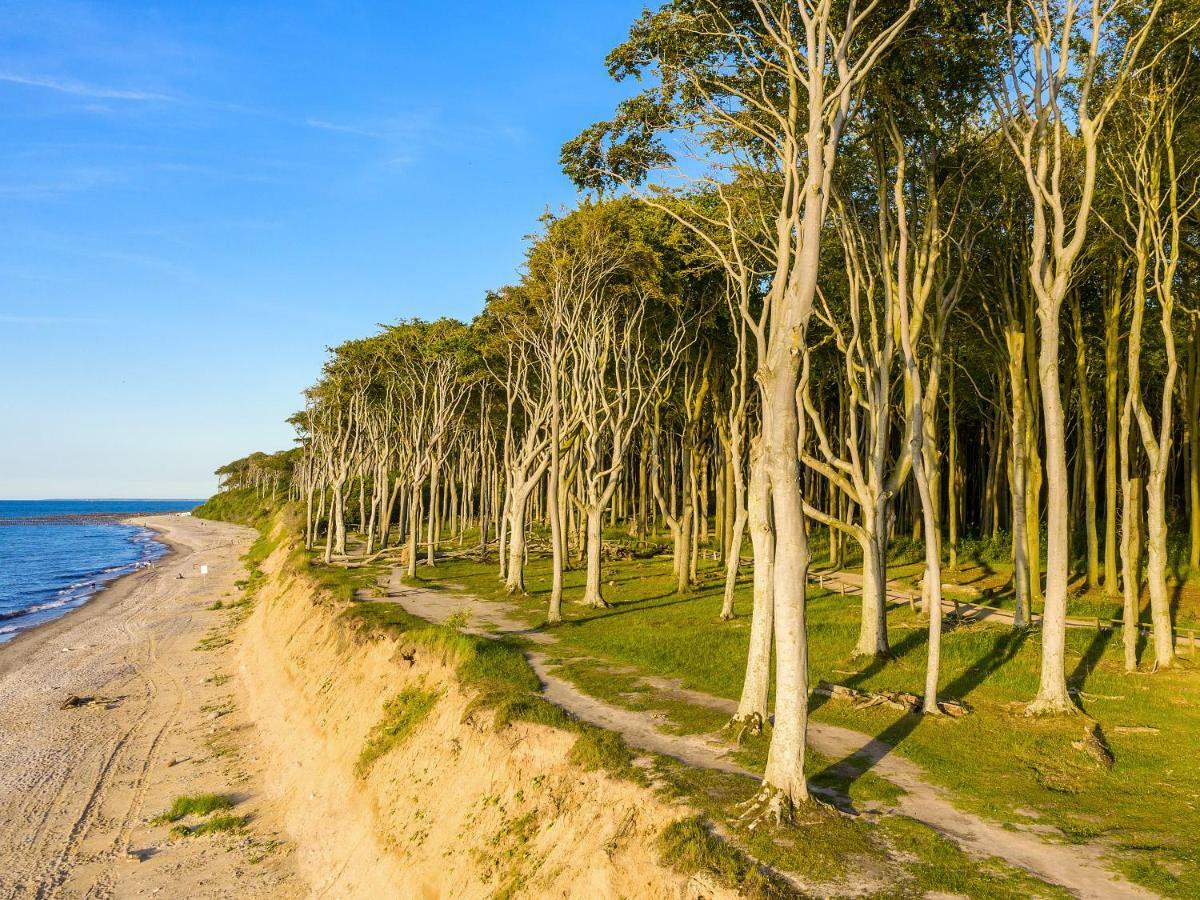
57, 554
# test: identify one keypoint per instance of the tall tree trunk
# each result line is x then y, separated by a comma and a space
872, 630
1192, 427
756, 686
515, 581
1052, 696
593, 594
1112, 388
1015, 339
1088, 446
414, 526
785, 758
952, 466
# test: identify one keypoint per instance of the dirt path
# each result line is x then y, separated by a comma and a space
78, 785
1078, 868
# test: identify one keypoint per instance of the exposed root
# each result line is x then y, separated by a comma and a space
744, 726
1051, 706
770, 806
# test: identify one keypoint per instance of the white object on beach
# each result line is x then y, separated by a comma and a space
203, 570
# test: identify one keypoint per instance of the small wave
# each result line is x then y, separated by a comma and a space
8, 614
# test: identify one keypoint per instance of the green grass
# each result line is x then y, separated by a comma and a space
401, 715
689, 846
498, 675
340, 583
996, 761
242, 507
194, 805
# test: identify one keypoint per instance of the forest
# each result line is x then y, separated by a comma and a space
903, 291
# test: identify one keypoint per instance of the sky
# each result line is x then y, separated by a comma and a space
196, 199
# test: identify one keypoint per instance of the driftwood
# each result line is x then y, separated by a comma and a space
74, 702
894, 699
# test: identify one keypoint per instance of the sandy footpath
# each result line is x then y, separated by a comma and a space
78, 786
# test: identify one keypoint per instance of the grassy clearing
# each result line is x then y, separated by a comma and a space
401, 715
996, 761
194, 805
891, 856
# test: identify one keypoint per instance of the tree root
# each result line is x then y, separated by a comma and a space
743, 726
1047, 706
770, 806
894, 699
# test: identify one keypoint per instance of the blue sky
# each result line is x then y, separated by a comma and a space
197, 198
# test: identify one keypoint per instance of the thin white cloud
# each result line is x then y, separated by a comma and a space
79, 89
345, 129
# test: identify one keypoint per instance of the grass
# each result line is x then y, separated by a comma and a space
339, 583
401, 715
689, 846
242, 507
1144, 808
500, 678
194, 805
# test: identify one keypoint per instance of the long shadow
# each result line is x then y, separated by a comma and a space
983, 563
1177, 596
628, 607
865, 758
1087, 662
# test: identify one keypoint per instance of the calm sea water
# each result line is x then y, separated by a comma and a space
53, 558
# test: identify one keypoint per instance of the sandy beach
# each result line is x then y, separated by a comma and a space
79, 786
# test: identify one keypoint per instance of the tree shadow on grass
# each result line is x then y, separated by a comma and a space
865, 757
1088, 661
621, 608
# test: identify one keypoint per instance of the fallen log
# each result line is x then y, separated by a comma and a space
893, 699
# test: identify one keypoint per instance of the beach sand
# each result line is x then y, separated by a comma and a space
79, 786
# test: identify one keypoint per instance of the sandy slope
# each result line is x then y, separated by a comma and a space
460, 809
77, 786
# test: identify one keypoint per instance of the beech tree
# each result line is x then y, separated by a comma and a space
777, 83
